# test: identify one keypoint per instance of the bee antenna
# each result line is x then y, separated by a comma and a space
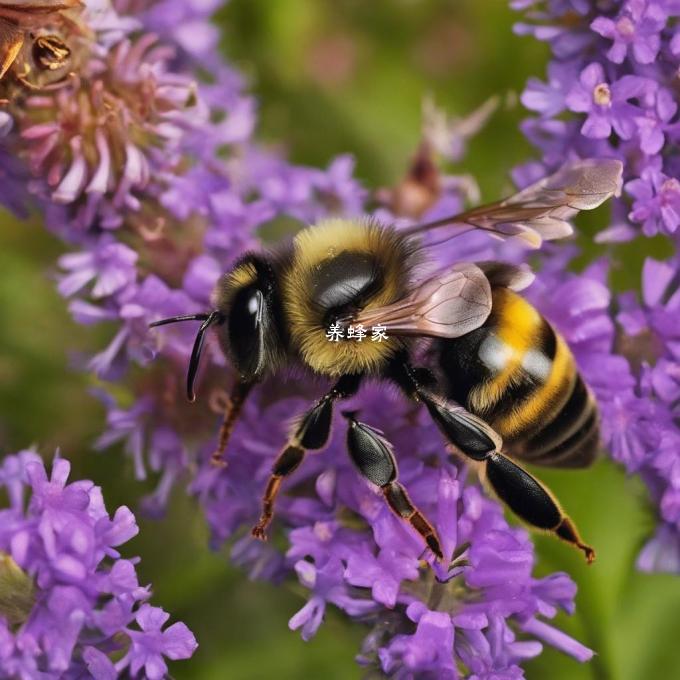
208, 320
175, 319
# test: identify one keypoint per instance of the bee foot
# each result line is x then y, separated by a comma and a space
217, 460
588, 552
259, 532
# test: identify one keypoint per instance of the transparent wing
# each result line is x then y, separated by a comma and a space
540, 212
446, 305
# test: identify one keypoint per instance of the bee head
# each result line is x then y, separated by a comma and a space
247, 299
246, 320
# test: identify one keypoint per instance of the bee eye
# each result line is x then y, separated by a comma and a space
246, 310
246, 330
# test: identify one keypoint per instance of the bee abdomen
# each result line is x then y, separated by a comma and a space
519, 375
570, 439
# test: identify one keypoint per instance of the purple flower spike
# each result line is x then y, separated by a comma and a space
58, 554
625, 99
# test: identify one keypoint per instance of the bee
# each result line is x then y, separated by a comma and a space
496, 377
19, 22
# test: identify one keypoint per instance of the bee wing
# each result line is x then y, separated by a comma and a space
11, 42
447, 305
540, 212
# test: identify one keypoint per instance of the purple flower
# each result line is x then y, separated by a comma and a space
59, 556
127, 426
185, 23
653, 437
555, 25
656, 202
607, 105
612, 94
110, 265
655, 122
636, 29
662, 552
13, 179
428, 650
151, 643
548, 99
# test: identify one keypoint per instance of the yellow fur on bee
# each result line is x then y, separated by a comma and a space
548, 400
311, 248
517, 327
240, 277
243, 276
518, 322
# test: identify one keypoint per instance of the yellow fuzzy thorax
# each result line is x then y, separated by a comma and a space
311, 248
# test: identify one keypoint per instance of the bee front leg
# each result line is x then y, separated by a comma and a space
311, 433
373, 456
231, 411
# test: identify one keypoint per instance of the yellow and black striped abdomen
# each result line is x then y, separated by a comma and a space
519, 375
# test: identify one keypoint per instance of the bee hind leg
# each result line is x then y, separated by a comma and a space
373, 456
311, 433
530, 500
476, 441
525, 495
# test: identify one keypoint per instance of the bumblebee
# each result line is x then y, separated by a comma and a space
20, 39
497, 379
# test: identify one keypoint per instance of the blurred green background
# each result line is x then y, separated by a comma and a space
333, 77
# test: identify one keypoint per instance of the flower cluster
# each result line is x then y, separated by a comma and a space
149, 170
611, 91
69, 603
486, 612
614, 66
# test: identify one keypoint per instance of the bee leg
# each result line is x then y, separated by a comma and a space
287, 461
530, 500
525, 495
311, 433
373, 456
476, 440
232, 410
